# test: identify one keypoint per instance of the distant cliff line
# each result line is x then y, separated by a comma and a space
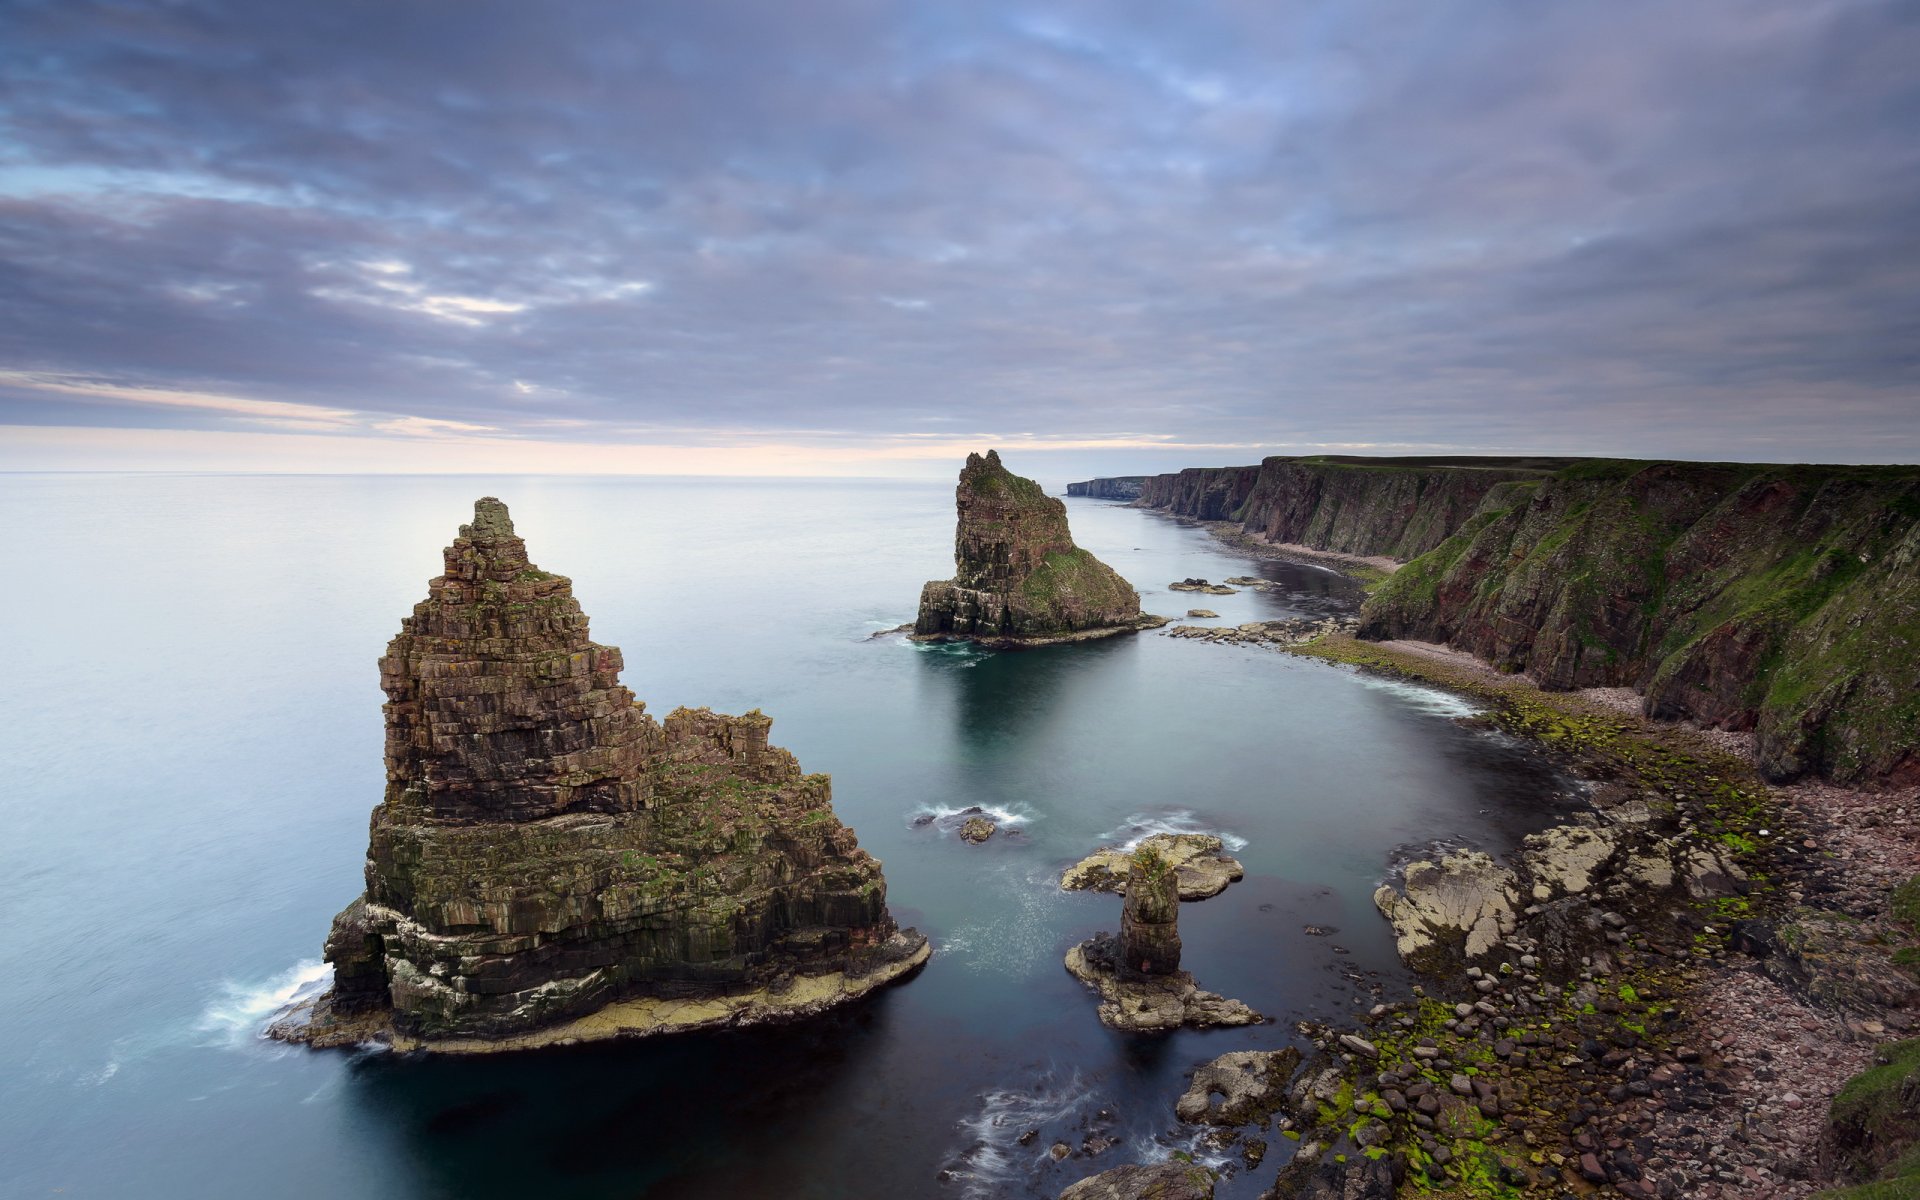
1112, 487
1784, 600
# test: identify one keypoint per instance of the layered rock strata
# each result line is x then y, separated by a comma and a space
1780, 600
552, 864
1019, 579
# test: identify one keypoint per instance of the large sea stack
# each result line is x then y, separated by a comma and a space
1018, 578
551, 864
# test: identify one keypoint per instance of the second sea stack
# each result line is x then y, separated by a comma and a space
1018, 578
551, 864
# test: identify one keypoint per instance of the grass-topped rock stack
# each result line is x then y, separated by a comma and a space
1018, 577
551, 864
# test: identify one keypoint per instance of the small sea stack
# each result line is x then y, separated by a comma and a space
550, 864
1018, 578
1142, 988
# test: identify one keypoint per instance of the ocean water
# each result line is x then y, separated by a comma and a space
190, 735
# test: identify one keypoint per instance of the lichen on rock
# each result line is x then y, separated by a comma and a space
551, 863
1018, 577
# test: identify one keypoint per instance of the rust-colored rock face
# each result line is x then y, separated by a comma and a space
499, 706
548, 852
1018, 577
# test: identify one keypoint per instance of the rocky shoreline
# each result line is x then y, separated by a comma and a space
1662, 998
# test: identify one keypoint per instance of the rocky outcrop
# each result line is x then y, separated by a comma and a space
1173, 1180
1019, 580
1117, 487
1781, 600
1138, 974
551, 864
1201, 867
1238, 1088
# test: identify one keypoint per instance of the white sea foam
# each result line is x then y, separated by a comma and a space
953, 815
1431, 701
993, 1160
241, 1012
1141, 826
1194, 1145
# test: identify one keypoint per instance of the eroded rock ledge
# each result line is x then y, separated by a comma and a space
551, 864
1018, 578
1201, 866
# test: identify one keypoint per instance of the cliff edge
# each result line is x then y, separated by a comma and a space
1778, 600
551, 864
1018, 577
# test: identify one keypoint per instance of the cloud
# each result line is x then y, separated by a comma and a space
1607, 227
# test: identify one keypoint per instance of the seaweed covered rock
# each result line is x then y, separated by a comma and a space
551, 864
1018, 577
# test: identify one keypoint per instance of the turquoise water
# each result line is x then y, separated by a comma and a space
191, 735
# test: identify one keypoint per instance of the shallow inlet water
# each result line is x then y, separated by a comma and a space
190, 731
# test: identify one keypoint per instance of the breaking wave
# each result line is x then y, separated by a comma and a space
1140, 826
1432, 701
993, 1161
241, 1011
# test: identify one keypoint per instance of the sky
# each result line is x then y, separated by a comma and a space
858, 237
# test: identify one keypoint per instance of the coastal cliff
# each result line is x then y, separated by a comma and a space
1116, 487
1018, 577
1781, 600
551, 864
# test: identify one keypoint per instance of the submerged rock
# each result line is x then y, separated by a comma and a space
1019, 580
1157, 1181
551, 864
1200, 867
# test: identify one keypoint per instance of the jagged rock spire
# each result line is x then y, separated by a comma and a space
499, 704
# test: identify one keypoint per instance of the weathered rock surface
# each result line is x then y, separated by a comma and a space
552, 864
1150, 915
1238, 1088
1283, 631
1019, 580
1140, 1003
1158, 1181
977, 830
1198, 614
1460, 906
1201, 867
1200, 585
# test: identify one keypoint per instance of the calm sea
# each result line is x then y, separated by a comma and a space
190, 735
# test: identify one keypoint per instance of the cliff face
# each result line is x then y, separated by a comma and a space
1783, 600
1117, 487
1779, 599
546, 849
1400, 510
1018, 577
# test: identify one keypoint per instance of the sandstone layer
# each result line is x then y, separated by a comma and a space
552, 864
1018, 577
1778, 600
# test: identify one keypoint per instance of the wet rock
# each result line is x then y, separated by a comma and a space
1150, 1003
1201, 585
1160, 1181
1201, 868
1829, 959
1200, 613
976, 830
1019, 579
1238, 1088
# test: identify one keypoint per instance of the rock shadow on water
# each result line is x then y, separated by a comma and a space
656, 1117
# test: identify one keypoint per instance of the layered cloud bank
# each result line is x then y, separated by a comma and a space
740, 236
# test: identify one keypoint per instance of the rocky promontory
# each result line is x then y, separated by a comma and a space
551, 864
1115, 487
1019, 580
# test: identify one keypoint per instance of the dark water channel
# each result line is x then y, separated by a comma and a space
191, 732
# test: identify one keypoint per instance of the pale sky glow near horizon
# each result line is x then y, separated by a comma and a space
865, 237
